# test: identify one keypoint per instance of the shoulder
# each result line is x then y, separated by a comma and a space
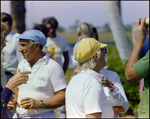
111, 75
109, 72
52, 64
89, 80
61, 37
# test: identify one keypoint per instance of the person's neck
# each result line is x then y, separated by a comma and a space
97, 69
7, 31
52, 36
36, 58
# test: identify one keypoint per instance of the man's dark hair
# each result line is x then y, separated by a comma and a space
42, 28
51, 20
6, 17
95, 32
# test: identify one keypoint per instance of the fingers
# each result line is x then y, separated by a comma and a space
10, 105
143, 22
138, 21
25, 72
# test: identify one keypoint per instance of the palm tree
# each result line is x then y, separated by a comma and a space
18, 15
120, 36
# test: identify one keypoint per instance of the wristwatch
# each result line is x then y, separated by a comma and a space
42, 104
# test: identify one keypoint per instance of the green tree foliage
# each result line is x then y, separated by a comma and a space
131, 90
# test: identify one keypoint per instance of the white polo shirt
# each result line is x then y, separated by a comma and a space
85, 95
46, 78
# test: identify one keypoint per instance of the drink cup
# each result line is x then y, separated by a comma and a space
118, 108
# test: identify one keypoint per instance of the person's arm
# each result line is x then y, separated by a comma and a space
6, 94
66, 61
11, 104
50, 103
94, 115
139, 35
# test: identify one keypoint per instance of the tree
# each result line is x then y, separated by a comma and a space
18, 15
120, 36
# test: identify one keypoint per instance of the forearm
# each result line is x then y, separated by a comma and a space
140, 32
130, 75
5, 97
55, 101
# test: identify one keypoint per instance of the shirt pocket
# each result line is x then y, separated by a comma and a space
41, 81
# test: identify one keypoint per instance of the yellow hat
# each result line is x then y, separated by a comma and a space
86, 48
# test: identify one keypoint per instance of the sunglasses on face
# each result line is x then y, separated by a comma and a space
104, 50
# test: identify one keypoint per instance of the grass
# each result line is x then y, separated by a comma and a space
71, 37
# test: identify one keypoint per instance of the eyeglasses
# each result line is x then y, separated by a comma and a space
104, 50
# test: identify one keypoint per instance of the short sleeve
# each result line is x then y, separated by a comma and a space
57, 78
93, 97
141, 67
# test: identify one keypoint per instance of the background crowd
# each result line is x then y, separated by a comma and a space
34, 64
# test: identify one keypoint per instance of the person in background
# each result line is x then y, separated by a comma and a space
60, 50
111, 77
144, 50
18, 79
44, 30
84, 30
58, 42
45, 89
85, 97
136, 68
10, 54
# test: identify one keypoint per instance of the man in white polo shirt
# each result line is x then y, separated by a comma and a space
45, 89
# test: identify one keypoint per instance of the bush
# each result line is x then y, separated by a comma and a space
131, 90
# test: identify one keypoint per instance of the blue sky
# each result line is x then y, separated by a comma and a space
67, 12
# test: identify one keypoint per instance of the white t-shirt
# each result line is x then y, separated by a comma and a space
118, 92
60, 45
10, 54
85, 95
46, 78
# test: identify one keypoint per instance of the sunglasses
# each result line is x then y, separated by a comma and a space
104, 50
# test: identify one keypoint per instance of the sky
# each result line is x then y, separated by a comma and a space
67, 12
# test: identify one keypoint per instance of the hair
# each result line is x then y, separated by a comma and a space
42, 28
84, 31
51, 20
6, 17
95, 33
34, 42
3, 27
89, 64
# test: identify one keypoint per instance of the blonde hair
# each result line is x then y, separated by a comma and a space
89, 64
84, 31
3, 27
